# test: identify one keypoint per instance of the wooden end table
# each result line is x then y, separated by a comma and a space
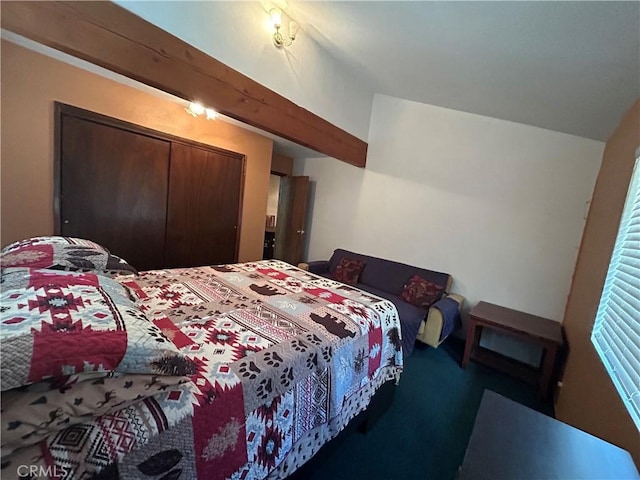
538, 330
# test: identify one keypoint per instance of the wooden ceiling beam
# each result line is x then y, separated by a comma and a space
110, 36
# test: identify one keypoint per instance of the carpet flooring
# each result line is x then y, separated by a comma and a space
425, 433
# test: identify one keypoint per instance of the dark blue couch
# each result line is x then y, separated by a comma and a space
386, 279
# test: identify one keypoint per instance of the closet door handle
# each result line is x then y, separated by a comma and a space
66, 221
300, 232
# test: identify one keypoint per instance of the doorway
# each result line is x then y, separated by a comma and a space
272, 216
286, 218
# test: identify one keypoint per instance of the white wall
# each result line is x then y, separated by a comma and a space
238, 34
498, 205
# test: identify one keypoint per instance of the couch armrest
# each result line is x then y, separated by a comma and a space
319, 267
431, 328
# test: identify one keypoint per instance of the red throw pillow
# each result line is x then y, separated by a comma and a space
348, 271
421, 292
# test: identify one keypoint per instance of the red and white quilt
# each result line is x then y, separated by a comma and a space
284, 359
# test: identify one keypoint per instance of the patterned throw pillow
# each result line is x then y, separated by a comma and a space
52, 240
348, 271
64, 253
55, 323
421, 292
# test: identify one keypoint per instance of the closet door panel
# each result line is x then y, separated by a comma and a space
205, 193
114, 186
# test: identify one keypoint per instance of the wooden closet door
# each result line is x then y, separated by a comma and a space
203, 214
113, 186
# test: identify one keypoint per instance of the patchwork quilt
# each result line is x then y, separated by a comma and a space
63, 253
280, 360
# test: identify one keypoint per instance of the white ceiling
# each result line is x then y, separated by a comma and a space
572, 67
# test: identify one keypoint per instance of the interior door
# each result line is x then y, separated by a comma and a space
292, 212
204, 205
113, 186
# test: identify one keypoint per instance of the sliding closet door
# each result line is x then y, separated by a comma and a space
113, 189
203, 215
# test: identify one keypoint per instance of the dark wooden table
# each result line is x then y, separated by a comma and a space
538, 330
512, 442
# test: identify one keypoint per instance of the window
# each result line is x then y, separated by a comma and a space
616, 332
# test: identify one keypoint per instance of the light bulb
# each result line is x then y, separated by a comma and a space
276, 17
210, 113
195, 109
293, 30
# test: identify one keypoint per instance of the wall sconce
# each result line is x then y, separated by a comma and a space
196, 109
279, 39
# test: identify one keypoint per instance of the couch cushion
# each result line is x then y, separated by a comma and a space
410, 316
348, 270
421, 292
384, 274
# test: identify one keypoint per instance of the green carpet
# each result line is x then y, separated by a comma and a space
425, 433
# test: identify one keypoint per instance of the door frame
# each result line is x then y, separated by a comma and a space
62, 109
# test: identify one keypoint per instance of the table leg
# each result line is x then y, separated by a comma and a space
548, 364
473, 335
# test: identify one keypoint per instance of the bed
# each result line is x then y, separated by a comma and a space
236, 371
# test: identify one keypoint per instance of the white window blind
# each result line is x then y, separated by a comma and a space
616, 332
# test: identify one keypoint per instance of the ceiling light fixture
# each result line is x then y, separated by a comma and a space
210, 113
196, 109
279, 39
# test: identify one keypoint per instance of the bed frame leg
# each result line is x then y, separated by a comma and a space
380, 403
